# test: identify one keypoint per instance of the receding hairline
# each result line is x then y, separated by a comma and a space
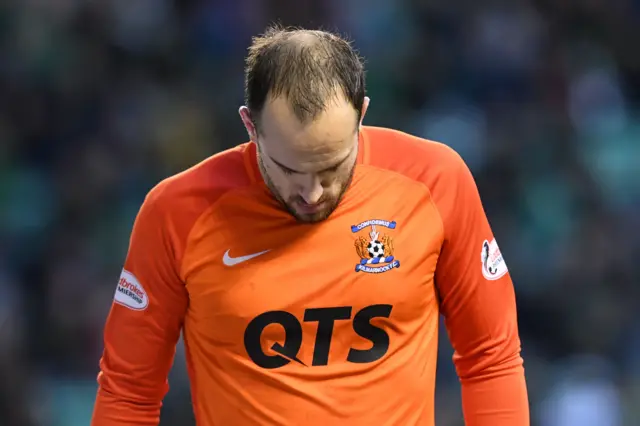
333, 98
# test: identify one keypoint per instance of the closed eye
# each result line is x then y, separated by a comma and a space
287, 171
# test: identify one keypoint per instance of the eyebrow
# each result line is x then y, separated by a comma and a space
335, 166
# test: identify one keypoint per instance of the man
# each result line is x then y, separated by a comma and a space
308, 268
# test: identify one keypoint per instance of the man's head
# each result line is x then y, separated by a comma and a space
305, 99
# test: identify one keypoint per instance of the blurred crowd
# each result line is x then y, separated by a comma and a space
101, 99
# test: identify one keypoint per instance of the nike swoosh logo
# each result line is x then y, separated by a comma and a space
232, 261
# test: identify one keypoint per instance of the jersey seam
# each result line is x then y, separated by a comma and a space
431, 201
208, 209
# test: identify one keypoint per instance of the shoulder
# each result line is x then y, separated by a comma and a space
431, 163
189, 193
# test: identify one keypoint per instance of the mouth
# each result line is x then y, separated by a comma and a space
305, 208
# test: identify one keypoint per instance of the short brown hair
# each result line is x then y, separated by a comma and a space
308, 67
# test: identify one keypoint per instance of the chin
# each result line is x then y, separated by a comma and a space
314, 217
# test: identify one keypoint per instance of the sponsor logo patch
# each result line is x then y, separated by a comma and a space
130, 292
493, 264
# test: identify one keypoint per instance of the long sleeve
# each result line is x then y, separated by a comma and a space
478, 303
143, 326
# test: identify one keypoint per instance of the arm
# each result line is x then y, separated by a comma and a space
143, 326
478, 303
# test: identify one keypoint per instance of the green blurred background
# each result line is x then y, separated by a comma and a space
101, 99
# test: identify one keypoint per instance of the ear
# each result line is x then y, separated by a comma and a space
365, 106
245, 116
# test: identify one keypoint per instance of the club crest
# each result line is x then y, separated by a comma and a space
376, 250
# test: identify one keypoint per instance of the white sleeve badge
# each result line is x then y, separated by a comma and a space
130, 292
493, 264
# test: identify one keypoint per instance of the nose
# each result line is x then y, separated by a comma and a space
312, 190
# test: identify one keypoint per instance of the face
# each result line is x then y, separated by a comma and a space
307, 166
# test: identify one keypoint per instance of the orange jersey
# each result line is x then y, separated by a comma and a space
333, 323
